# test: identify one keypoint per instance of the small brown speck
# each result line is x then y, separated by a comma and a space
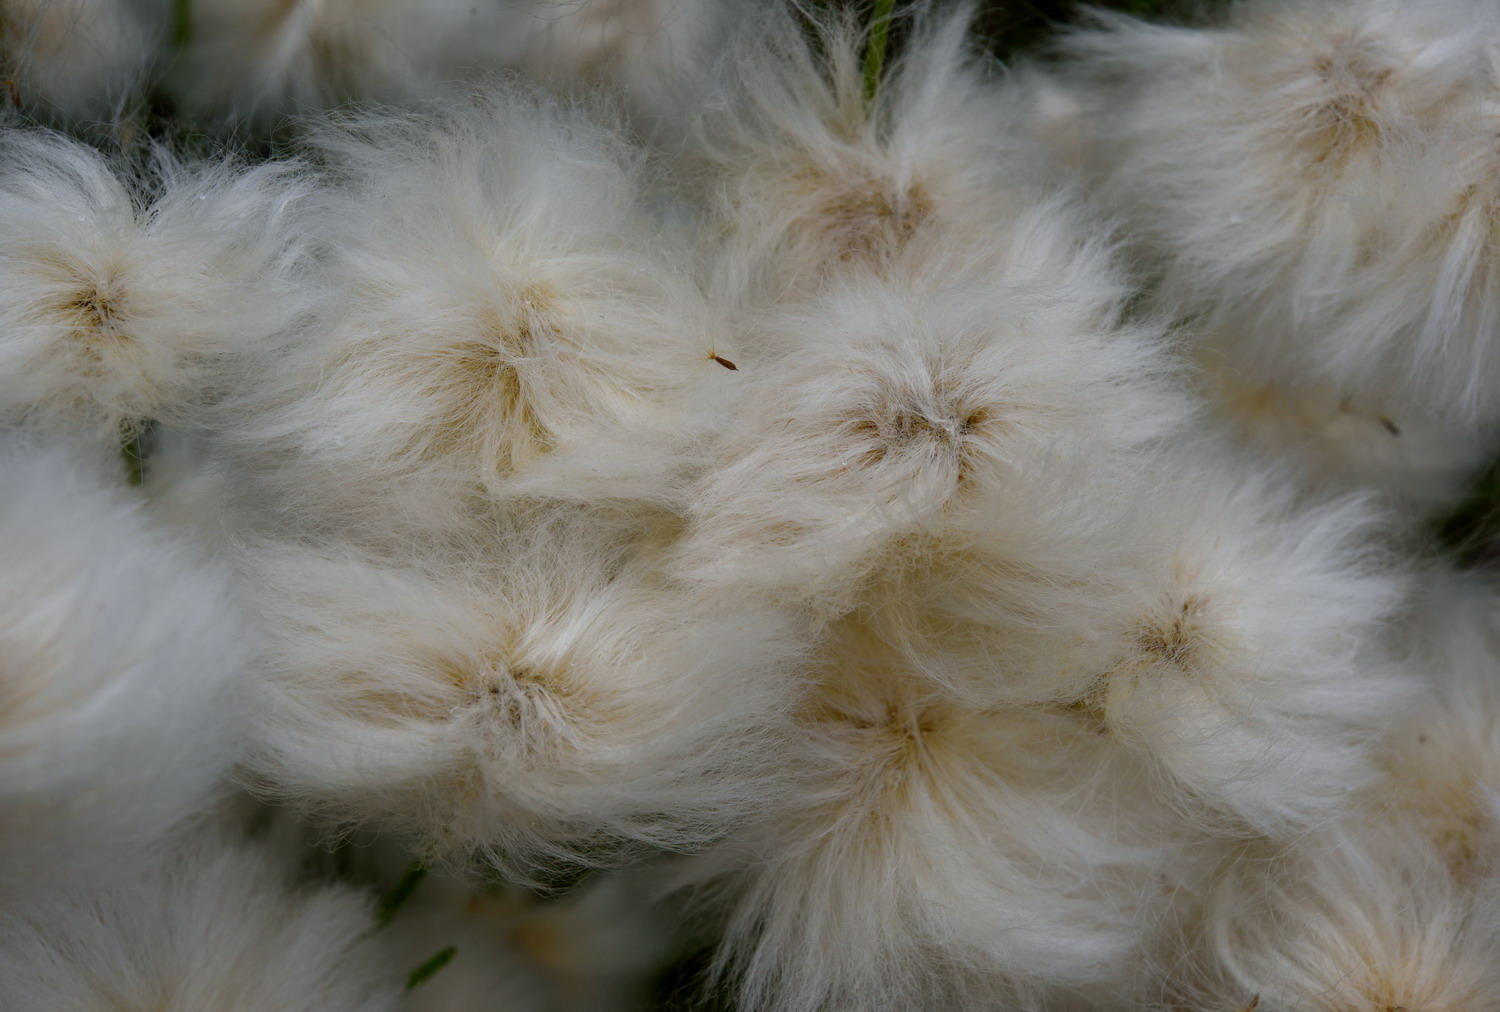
725, 363
1390, 426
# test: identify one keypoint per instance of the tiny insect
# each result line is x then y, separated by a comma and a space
725, 363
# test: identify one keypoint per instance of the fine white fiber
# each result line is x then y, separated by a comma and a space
127, 293
1362, 918
82, 63
124, 650
616, 504
1397, 905
941, 855
498, 298
214, 922
802, 176
1254, 651
1311, 184
562, 705
879, 413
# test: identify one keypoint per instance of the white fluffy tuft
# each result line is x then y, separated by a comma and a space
499, 298
565, 705
213, 923
123, 655
125, 295
1313, 184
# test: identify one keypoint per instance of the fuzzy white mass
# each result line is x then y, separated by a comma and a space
563, 704
498, 298
127, 293
124, 655
1310, 182
801, 486
213, 922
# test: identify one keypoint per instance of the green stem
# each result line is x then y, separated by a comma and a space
392, 901
880, 30
432, 965
182, 23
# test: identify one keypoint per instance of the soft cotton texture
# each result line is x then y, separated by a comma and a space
1310, 184
214, 922
499, 302
124, 655
561, 705
128, 292
80, 62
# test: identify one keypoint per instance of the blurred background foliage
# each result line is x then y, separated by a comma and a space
1016, 26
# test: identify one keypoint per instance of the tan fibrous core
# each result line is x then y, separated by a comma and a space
492, 413
896, 737
96, 310
873, 221
886, 435
533, 707
1357, 80
1173, 638
1174, 641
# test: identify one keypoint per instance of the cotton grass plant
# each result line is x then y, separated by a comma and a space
691, 503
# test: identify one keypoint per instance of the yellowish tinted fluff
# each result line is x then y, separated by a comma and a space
1251, 645
1442, 761
212, 923
803, 176
499, 298
878, 414
1365, 918
125, 296
943, 855
1313, 184
562, 706
76, 61
119, 712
